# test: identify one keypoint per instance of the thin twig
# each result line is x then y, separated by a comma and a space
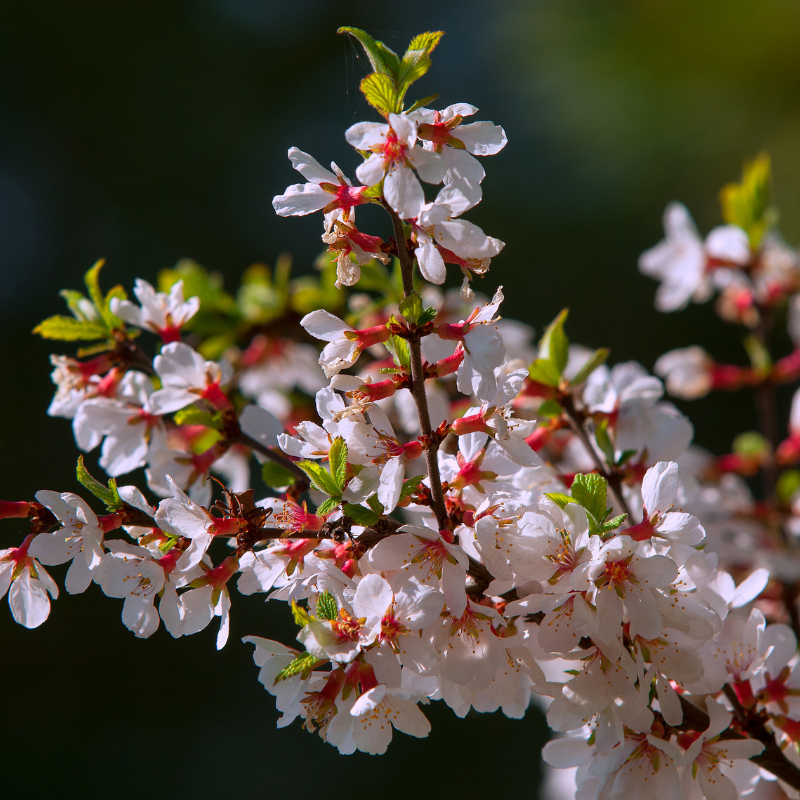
247, 441
418, 379
612, 478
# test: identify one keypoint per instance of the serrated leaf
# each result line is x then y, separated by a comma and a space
416, 60
614, 523
391, 61
421, 103
92, 280
375, 504
411, 308
590, 490
398, 348
69, 329
108, 495
380, 92
410, 486
544, 371
326, 606
559, 498
554, 345
338, 460
194, 416
604, 441
746, 204
301, 616
595, 360
302, 665
374, 53
427, 315
328, 505
360, 515
550, 408
322, 480
275, 476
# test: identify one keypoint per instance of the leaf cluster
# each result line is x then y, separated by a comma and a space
386, 86
590, 491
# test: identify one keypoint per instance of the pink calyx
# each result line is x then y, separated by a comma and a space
14, 509
214, 394
474, 423
369, 336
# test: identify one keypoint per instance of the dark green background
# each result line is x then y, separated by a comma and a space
149, 131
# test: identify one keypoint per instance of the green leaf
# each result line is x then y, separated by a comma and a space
411, 307
380, 93
275, 476
788, 484
375, 53
751, 443
614, 523
595, 360
92, 280
427, 315
375, 504
421, 103
302, 665
550, 408
625, 455
398, 347
338, 458
746, 204
757, 353
301, 616
590, 491
360, 515
604, 441
544, 371
555, 345
69, 329
322, 479
107, 494
416, 60
559, 498
192, 415
326, 606
328, 505
410, 486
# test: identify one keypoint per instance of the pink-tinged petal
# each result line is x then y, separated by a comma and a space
429, 166
301, 199
224, 612
194, 553
467, 240
728, 243
519, 451
659, 487
655, 571
30, 605
364, 135
180, 366
125, 450
371, 171
391, 483
198, 608
325, 326
393, 552
669, 701
373, 598
431, 263
165, 401
171, 610
310, 168
750, 588
453, 588
6, 571
78, 576
646, 620
403, 192
482, 138
140, 617
407, 717
50, 548
458, 110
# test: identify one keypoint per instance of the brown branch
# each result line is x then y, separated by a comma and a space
613, 478
242, 438
418, 379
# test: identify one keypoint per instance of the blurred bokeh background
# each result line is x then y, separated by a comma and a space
145, 131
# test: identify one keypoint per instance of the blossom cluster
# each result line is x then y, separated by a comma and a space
451, 510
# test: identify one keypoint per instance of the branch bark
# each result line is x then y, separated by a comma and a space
418, 379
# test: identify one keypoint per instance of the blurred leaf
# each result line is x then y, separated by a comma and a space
380, 93
788, 485
554, 345
543, 370
275, 476
751, 443
69, 329
595, 360
746, 204
550, 408
604, 441
194, 416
